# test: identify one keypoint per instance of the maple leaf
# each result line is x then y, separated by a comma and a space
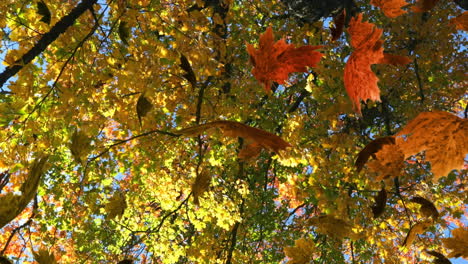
201, 185
442, 135
4, 260
360, 82
43, 256
274, 61
189, 74
263, 138
424, 5
301, 252
427, 209
116, 205
458, 243
440, 258
391, 8
334, 227
461, 21
380, 203
251, 150
80, 146
124, 32
339, 22
11, 205
394, 59
370, 149
416, 229
143, 106
388, 162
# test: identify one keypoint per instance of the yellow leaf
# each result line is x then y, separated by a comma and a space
458, 243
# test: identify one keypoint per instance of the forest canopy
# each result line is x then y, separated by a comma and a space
226, 131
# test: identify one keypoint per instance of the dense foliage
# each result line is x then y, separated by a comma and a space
136, 130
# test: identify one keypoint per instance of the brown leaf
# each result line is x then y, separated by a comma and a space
394, 59
143, 107
427, 209
124, 32
116, 205
391, 8
189, 75
4, 260
274, 61
370, 149
416, 229
388, 162
43, 256
80, 146
461, 21
201, 185
235, 129
424, 5
442, 135
440, 258
250, 151
380, 202
339, 22
458, 243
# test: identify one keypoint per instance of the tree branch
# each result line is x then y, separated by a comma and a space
49, 37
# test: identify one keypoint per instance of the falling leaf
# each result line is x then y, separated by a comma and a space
339, 22
43, 11
360, 82
4, 260
424, 5
380, 202
189, 74
263, 138
388, 162
370, 149
415, 230
143, 107
391, 8
11, 205
201, 185
124, 32
301, 252
427, 207
116, 205
80, 146
461, 21
250, 151
442, 135
440, 258
394, 59
274, 61
126, 261
334, 227
458, 243
43, 256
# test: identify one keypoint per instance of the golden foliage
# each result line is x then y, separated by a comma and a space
301, 252
263, 138
458, 243
201, 185
43, 256
11, 205
391, 8
116, 205
442, 135
415, 230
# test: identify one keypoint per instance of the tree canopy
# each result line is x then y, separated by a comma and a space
226, 131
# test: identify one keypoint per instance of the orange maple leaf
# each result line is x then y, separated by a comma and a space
360, 82
461, 21
274, 61
391, 8
424, 5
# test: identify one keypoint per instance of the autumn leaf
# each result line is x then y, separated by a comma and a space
394, 59
334, 227
80, 146
415, 230
461, 21
116, 205
251, 150
440, 258
360, 81
301, 252
370, 149
189, 74
124, 32
391, 8
458, 243
424, 5
388, 162
43, 256
143, 106
201, 185
43, 11
380, 202
427, 209
442, 135
274, 61
11, 205
4, 260
263, 138
339, 23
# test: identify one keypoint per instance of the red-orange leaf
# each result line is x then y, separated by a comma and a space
461, 21
424, 5
274, 61
360, 82
391, 8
